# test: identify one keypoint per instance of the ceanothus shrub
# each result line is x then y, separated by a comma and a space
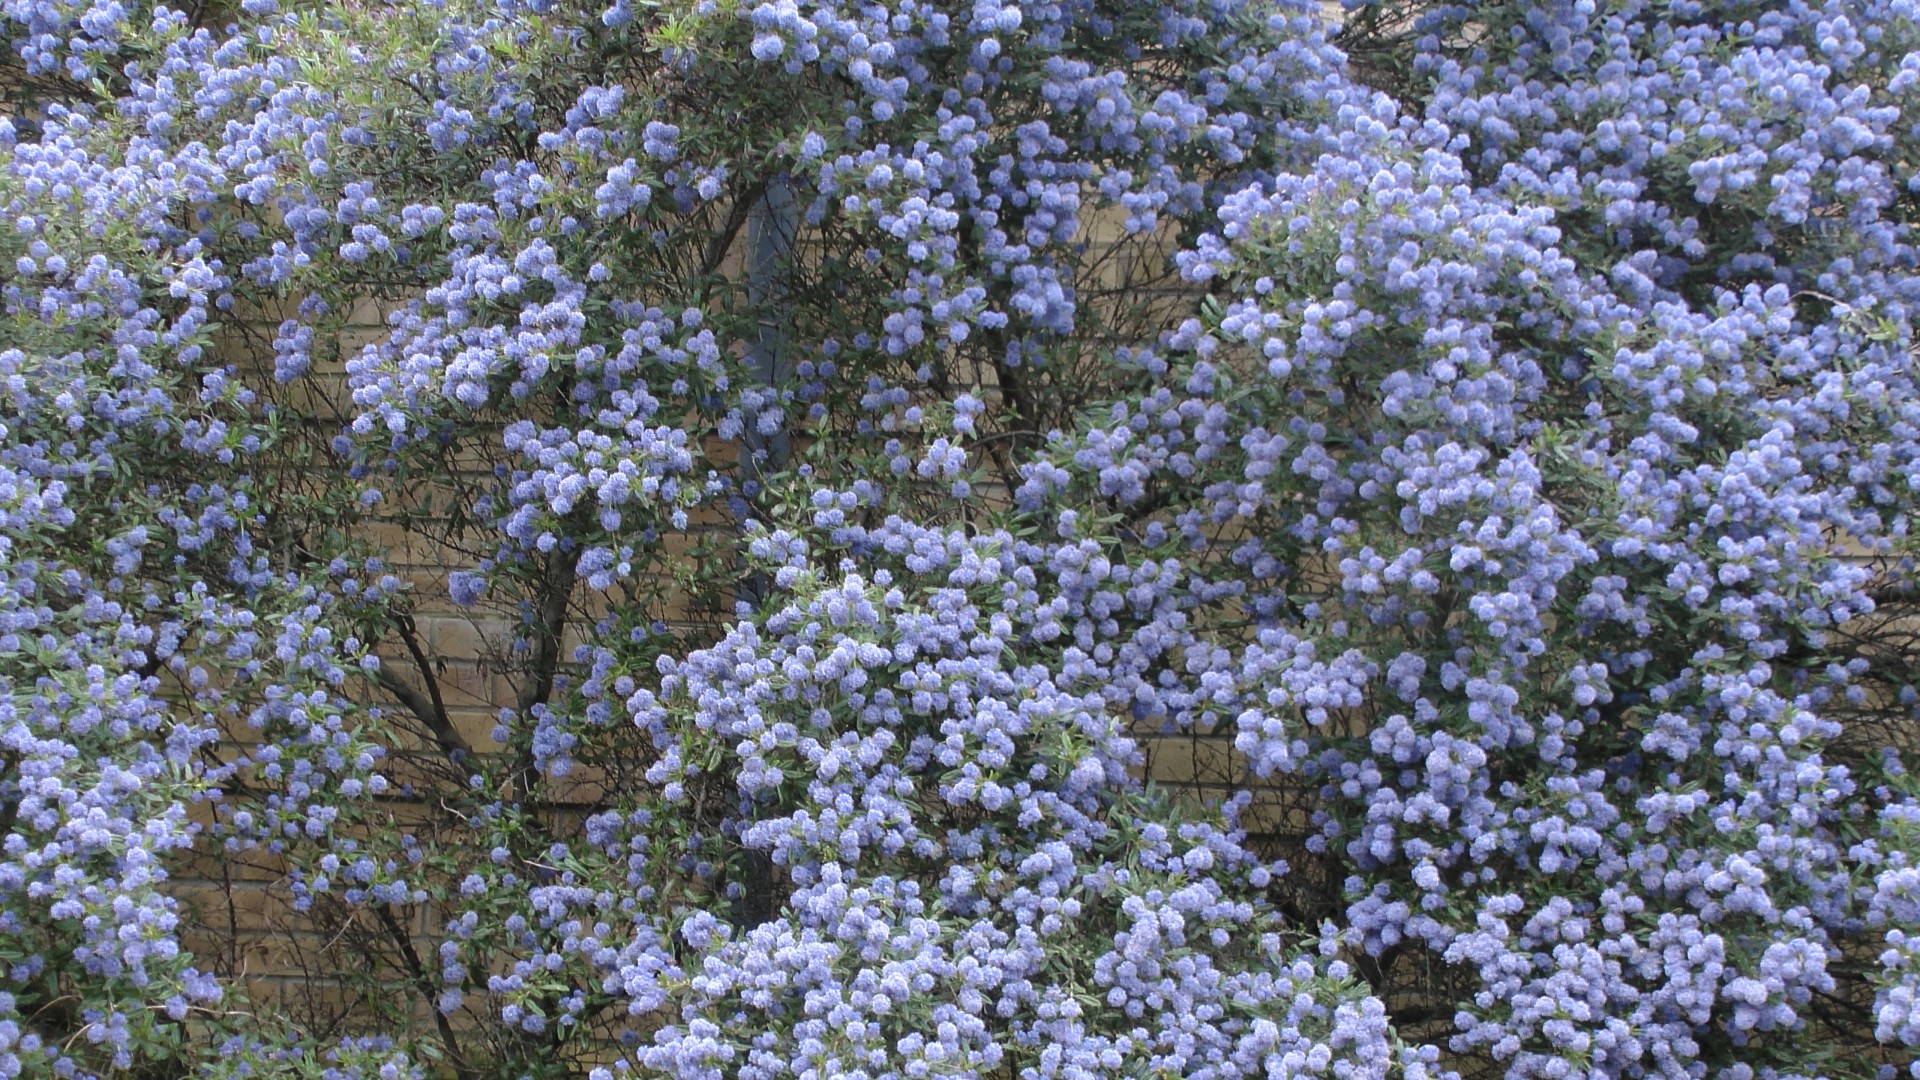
1531, 497
969, 880
541, 195
142, 610
1562, 588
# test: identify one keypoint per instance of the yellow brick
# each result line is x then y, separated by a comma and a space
460, 638
240, 906
1184, 759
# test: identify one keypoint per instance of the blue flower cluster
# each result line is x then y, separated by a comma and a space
1492, 427
1072, 928
144, 615
1560, 528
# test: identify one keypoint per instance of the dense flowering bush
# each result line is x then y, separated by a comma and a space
865, 429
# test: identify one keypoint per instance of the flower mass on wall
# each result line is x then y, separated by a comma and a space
1491, 428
